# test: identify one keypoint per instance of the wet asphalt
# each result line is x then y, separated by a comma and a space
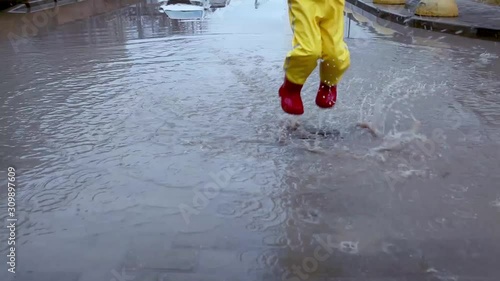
147, 148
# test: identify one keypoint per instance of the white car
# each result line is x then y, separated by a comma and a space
185, 9
219, 3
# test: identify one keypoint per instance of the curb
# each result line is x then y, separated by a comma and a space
428, 23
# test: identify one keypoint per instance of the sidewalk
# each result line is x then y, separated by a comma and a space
475, 19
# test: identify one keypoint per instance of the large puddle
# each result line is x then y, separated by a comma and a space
152, 148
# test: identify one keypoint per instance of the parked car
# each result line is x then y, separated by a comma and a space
219, 3
185, 9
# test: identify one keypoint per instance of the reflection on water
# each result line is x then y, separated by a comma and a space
40, 6
123, 125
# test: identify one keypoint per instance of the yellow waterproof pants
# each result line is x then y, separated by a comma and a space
318, 33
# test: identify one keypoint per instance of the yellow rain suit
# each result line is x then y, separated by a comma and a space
318, 33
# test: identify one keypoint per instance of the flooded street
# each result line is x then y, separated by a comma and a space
147, 148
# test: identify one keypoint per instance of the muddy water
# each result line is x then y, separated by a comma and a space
151, 149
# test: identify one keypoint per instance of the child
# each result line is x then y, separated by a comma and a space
318, 33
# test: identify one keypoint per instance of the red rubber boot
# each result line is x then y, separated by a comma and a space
291, 102
327, 96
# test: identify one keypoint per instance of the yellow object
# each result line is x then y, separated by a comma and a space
318, 33
390, 2
437, 8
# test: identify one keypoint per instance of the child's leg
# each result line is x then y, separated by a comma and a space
303, 59
335, 54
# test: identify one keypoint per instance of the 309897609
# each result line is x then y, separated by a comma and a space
11, 220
